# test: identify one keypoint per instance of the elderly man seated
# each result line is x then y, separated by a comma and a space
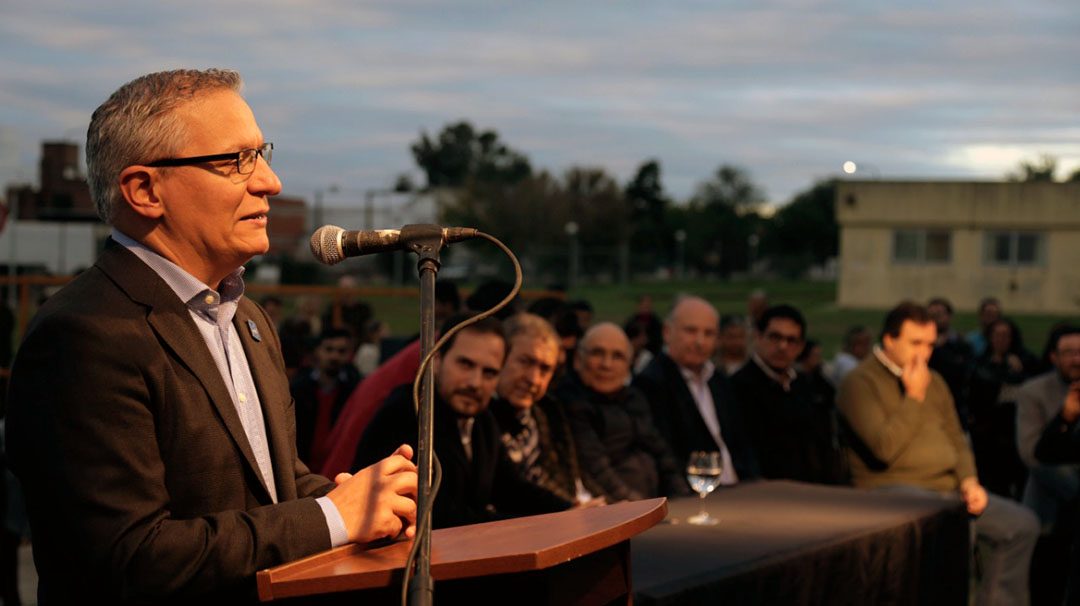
617, 443
533, 425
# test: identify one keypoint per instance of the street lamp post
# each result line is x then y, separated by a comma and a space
572, 231
680, 253
317, 215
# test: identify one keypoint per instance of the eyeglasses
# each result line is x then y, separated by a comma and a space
245, 159
777, 338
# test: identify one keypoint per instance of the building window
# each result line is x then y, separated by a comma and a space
922, 246
1014, 248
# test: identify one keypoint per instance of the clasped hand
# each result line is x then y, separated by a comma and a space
380, 500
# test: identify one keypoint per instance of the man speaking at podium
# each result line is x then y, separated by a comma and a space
150, 421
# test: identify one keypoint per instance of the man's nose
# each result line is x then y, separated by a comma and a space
264, 181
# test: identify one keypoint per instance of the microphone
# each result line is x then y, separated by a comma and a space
331, 244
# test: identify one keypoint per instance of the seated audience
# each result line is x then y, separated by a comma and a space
989, 312
791, 424
365, 401
732, 351
617, 443
952, 357
1052, 488
533, 426
995, 380
905, 435
479, 483
691, 403
640, 355
857, 344
320, 393
346, 311
811, 362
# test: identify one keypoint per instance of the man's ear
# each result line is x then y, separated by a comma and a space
137, 188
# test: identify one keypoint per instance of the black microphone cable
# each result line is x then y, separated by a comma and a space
436, 466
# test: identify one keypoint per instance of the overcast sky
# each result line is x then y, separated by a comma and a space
787, 90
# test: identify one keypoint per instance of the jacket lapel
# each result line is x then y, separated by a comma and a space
267, 375
171, 320
687, 403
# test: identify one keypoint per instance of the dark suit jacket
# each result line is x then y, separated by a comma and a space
140, 483
793, 432
481, 490
676, 415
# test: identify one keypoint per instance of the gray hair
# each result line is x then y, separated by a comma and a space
138, 124
530, 325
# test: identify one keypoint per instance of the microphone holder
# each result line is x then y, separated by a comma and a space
426, 241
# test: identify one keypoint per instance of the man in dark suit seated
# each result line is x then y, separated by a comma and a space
479, 482
533, 425
792, 423
691, 403
150, 421
617, 443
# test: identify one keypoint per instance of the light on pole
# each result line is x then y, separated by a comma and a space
851, 168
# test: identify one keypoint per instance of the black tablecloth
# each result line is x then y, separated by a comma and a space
792, 543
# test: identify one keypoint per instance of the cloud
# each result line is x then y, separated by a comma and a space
788, 89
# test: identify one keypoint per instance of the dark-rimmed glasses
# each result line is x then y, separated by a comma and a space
778, 338
245, 159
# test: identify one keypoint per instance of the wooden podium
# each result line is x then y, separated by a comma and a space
574, 557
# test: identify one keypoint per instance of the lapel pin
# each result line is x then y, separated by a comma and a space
254, 330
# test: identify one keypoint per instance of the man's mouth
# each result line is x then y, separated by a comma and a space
256, 216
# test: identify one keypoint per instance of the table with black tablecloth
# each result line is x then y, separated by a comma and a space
792, 543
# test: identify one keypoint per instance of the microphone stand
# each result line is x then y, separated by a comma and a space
425, 241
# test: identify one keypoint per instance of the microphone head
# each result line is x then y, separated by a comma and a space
326, 244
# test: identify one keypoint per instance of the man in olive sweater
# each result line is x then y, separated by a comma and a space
904, 432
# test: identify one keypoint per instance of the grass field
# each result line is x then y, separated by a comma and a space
827, 322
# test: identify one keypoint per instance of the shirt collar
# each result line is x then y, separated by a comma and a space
886, 362
706, 372
784, 379
187, 287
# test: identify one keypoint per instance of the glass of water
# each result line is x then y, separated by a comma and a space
703, 471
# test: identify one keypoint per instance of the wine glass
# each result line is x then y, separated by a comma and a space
703, 471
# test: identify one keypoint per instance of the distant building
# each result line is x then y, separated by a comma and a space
63, 194
1019, 242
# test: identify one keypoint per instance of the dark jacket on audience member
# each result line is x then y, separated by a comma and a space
793, 432
486, 488
675, 415
558, 467
304, 388
619, 447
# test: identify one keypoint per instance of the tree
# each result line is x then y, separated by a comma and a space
650, 235
730, 186
804, 232
719, 221
460, 155
1041, 169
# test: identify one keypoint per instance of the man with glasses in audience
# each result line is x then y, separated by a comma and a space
150, 420
617, 443
792, 424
